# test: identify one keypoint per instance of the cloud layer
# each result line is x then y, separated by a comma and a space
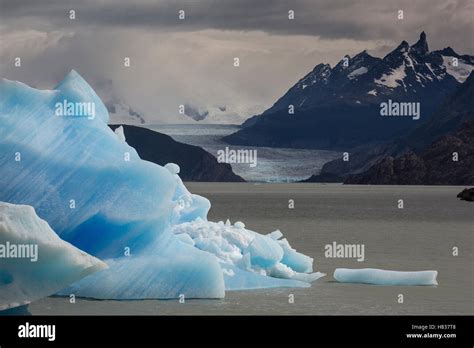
191, 61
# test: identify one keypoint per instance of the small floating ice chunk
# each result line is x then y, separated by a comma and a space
384, 277
173, 168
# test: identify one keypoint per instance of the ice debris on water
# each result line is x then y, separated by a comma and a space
385, 277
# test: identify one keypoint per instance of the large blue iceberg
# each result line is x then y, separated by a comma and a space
58, 155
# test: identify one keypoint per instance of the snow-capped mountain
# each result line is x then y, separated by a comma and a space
324, 82
339, 107
122, 113
454, 115
364, 79
217, 114
196, 114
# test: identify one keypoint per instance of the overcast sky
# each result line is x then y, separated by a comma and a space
191, 61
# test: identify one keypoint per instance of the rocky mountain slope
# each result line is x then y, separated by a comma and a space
339, 107
195, 163
456, 112
448, 161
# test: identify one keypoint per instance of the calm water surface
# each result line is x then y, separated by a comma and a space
419, 237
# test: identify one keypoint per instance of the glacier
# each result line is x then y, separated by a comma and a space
55, 265
97, 194
385, 277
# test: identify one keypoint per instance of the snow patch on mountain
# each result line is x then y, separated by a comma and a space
372, 92
394, 79
460, 72
360, 71
320, 73
433, 74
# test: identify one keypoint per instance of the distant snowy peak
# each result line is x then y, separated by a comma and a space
122, 113
347, 69
339, 107
320, 74
353, 68
414, 67
119, 110
197, 114
407, 72
461, 70
217, 114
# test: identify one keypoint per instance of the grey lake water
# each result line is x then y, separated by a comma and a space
273, 164
421, 236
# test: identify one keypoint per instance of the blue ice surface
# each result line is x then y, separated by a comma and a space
264, 251
385, 277
97, 194
45, 266
238, 279
298, 262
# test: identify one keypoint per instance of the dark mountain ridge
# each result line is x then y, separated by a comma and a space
195, 163
448, 161
339, 108
455, 110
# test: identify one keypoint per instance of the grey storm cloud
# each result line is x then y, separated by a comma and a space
190, 61
361, 19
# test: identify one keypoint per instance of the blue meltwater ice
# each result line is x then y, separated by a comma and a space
58, 155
